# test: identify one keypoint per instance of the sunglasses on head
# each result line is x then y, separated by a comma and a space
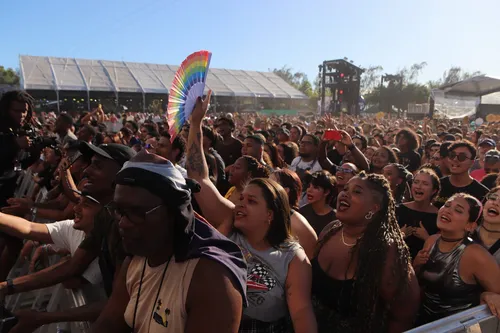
460, 156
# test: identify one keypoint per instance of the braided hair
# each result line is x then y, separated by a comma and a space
380, 235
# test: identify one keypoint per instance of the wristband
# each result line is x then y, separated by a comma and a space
10, 286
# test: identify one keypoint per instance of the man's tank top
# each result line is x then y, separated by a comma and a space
445, 293
164, 310
266, 278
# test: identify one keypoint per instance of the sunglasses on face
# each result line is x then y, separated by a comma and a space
461, 156
493, 196
490, 158
345, 170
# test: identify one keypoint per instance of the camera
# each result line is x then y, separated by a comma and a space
39, 142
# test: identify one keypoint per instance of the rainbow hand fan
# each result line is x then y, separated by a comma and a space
187, 86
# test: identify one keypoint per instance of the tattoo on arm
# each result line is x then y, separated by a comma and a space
195, 158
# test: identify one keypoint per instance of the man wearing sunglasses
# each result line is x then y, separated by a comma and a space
460, 158
491, 162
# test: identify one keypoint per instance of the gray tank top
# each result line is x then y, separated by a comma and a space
266, 276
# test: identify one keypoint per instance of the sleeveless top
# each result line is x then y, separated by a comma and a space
331, 298
167, 312
493, 249
266, 278
445, 293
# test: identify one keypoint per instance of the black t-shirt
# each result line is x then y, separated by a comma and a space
476, 189
318, 222
334, 156
231, 152
411, 160
409, 217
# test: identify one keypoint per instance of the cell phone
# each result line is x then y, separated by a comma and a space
333, 135
7, 320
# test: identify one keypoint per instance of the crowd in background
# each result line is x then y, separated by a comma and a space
251, 223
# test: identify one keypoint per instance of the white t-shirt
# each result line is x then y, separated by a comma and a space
66, 237
312, 166
182, 170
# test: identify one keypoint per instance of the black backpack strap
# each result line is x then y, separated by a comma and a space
495, 247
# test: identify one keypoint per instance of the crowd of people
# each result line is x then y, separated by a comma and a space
250, 223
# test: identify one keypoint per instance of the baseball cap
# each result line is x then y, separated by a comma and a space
492, 155
114, 151
258, 137
488, 142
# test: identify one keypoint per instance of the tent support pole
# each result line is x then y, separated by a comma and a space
88, 100
58, 106
143, 102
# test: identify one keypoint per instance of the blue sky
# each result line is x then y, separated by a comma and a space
260, 34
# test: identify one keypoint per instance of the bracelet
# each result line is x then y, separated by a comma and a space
10, 286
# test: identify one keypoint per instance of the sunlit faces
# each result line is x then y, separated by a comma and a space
355, 201
422, 188
251, 148
491, 211
380, 158
85, 211
453, 217
369, 153
18, 111
316, 193
391, 173
100, 175
239, 172
294, 134
344, 173
143, 220
459, 160
252, 213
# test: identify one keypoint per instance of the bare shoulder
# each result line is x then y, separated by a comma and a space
332, 225
213, 273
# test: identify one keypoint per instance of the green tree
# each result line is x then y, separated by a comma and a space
453, 75
9, 76
370, 78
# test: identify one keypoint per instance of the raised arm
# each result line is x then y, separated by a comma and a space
24, 229
215, 208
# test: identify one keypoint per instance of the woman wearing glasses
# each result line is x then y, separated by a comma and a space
417, 218
488, 233
343, 174
460, 158
453, 271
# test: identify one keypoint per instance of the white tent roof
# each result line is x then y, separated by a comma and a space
475, 86
50, 73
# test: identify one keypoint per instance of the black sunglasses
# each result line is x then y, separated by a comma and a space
461, 156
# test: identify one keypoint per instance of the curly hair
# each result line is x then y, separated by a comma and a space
380, 236
256, 169
410, 136
18, 96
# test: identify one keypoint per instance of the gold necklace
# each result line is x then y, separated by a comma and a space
343, 240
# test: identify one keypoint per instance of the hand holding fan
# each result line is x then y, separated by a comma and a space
187, 86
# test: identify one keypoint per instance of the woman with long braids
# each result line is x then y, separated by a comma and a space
488, 233
453, 271
279, 272
362, 275
301, 228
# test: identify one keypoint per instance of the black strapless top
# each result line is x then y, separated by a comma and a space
331, 300
445, 293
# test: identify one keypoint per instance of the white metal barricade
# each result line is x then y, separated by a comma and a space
475, 320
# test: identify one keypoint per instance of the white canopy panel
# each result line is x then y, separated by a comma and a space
50, 73
475, 86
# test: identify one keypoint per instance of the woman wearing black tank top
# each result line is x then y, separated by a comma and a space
452, 270
362, 275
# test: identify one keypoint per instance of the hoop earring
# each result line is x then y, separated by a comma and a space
369, 215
